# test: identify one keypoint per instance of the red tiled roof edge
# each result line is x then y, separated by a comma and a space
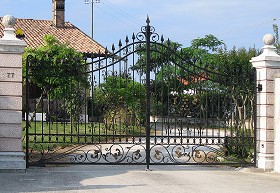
35, 30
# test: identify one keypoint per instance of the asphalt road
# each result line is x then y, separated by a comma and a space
134, 179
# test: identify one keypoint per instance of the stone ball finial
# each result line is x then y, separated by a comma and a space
268, 39
9, 21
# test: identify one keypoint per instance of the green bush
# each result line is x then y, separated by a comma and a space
240, 146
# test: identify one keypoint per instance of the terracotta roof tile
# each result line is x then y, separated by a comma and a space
35, 30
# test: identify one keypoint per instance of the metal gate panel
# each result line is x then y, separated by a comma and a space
143, 102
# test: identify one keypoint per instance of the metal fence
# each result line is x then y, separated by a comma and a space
142, 102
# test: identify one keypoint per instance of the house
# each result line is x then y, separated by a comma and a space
32, 31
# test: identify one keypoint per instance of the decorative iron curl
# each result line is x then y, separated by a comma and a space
114, 157
152, 30
137, 156
140, 36
154, 37
209, 155
78, 158
159, 156
94, 155
180, 154
199, 156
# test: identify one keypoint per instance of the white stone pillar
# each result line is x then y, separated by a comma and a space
277, 125
267, 65
11, 49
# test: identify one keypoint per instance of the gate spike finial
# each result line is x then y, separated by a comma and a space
148, 20
113, 47
120, 43
162, 38
168, 42
106, 50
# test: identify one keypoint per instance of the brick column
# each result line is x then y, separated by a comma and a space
268, 66
11, 49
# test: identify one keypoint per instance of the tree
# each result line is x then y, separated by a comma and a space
172, 52
209, 43
60, 73
238, 79
179, 69
204, 49
173, 66
161, 54
119, 96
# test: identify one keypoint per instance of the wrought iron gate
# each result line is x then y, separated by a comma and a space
143, 102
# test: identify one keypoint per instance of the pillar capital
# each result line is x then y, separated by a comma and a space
9, 43
269, 57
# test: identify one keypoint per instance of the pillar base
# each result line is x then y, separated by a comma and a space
10, 161
265, 161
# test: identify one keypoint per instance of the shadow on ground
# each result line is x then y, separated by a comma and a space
82, 177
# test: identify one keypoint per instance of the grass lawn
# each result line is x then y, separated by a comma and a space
79, 133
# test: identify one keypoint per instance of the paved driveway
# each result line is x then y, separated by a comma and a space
134, 179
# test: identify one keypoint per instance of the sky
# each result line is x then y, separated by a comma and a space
239, 23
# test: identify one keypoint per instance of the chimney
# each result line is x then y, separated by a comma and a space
58, 13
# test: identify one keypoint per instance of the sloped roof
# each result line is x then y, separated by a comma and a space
35, 30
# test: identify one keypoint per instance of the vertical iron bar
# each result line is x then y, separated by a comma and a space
64, 117
92, 101
99, 83
133, 93
169, 102
127, 80
175, 90
56, 124
162, 114
105, 80
42, 124
85, 97
49, 107
210, 95
120, 82
148, 34
155, 105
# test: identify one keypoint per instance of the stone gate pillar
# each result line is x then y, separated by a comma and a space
268, 66
277, 125
11, 49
